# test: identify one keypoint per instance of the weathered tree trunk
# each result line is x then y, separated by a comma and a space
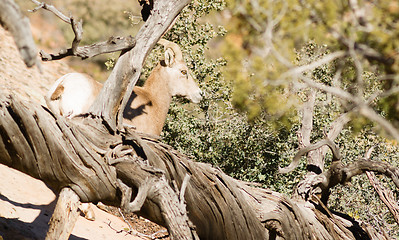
99, 165
100, 160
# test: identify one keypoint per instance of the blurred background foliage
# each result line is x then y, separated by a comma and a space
245, 56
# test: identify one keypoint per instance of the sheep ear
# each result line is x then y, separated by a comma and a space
169, 57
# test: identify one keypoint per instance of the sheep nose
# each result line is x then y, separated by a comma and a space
197, 97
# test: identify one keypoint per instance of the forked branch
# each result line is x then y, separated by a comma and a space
113, 44
340, 174
334, 148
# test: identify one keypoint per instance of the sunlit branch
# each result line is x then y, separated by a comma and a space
324, 60
272, 22
334, 149
385, 124
333, 90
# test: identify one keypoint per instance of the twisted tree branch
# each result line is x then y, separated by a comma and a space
113, 44
334, 148
385, 195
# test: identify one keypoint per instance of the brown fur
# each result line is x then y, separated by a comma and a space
57, 93
149, 104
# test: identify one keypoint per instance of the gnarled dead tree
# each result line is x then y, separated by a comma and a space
99, 159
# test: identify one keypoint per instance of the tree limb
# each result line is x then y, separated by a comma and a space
385, 124
65, 215
385, 195
324, 60
307, 118
303, 151
113, 44
52, 9
340, 174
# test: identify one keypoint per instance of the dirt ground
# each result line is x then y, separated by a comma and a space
26, 204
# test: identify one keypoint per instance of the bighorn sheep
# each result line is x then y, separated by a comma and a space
73, 93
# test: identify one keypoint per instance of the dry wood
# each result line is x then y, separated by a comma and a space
305, 150
99, 161
113, 44
385, 195
84, 156
65, 215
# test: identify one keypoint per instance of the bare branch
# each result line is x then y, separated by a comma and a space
385, 195
385, 124
78, 31
52, 9
368, 52
303, 151
316, 158
344, 95
337, 126
307, 117
321, 184
324, 60
315, 164
114, 44
76, 25
340, 174
359, 71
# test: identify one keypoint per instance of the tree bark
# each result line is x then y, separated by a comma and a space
83, 155
98, 164
100, 160
65, 215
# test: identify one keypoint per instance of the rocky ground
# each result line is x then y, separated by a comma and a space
26, 204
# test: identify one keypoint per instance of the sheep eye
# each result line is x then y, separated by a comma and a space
184, 72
